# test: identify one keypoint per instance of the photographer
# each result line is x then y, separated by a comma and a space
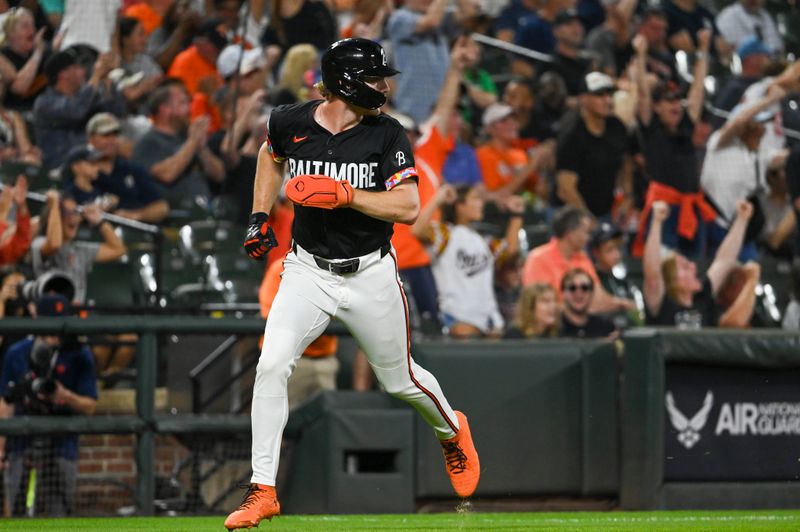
45, 375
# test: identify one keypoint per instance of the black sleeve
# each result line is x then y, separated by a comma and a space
397, 160
275, 137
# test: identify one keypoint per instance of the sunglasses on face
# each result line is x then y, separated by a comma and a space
585, 287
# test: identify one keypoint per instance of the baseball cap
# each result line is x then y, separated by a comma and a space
496, 112
668, 90
52, 305
213, 30
752, 46
102, 124
229, 57
598, 83
604, 233
59, 62
564, 17
82, 153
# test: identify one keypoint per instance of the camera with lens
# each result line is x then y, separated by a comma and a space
53, 281
33, 391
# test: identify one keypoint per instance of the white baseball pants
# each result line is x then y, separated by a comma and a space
372, 305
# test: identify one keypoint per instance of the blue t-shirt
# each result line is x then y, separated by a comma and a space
511, 17
462, 166
128, 181
73, 368
422, 57
536, 33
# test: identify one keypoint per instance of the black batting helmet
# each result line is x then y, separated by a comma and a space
344, 65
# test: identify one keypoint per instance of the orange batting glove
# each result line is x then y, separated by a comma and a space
319, 191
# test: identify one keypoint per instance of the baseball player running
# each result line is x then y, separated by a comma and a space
352, 177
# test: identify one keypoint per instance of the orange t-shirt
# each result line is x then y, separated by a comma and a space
410, 251
546, 264
434, 149
324, 346
430, 153
497, 165
281, 219
201, 106
191, 68
147, 16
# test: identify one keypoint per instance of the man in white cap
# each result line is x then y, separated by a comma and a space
506, 168
592, 156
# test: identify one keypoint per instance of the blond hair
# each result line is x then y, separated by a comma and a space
14, 16
525, 317
669, 272
299, 59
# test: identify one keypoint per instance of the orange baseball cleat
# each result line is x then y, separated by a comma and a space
260, 502
461, 459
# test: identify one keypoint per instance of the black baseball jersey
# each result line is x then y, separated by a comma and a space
374, 155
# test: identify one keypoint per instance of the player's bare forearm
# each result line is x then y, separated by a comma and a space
399, 205
269, 176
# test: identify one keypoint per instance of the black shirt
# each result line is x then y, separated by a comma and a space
670, 156
24, 102
544, 123
703, 311
690, 21
374, 155
596, 160
312, 24
595, 327
572, 70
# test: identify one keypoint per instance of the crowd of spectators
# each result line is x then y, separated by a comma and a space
631, 167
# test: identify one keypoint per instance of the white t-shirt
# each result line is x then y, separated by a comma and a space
729, 174
736, 25
91, 22
774, 138
463, 267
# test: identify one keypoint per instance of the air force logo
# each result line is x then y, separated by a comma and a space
689, 429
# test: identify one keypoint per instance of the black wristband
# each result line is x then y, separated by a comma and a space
258, 218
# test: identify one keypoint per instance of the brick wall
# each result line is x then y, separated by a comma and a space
107, 470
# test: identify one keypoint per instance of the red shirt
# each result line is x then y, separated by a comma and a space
13, 249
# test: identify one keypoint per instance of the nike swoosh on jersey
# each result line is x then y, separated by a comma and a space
297, 139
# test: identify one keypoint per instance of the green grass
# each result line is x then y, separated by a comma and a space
594, 521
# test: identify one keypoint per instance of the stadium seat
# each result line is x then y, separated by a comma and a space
111, 284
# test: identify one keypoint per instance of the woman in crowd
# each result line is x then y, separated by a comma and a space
537, 313
294, 22
291, 84
463, 261
22, 57
132, 42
